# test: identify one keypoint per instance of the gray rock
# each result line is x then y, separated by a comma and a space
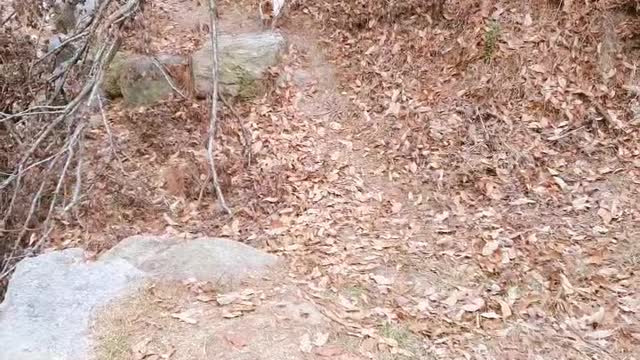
50, 301
207, 259
53, 298
141, 81
244, 62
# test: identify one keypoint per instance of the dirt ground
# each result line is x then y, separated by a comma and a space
472, 202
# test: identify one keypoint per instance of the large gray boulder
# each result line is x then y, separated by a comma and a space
52, 299
204, 259
244, 63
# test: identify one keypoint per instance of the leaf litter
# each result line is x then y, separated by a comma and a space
486, 204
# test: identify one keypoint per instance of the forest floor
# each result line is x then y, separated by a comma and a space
458, 193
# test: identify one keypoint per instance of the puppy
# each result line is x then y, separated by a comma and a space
270, 11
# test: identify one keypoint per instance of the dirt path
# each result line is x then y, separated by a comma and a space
371, 255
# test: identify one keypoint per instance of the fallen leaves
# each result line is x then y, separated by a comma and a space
237, 303
506, 171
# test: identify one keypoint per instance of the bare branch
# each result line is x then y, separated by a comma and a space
211, 145
168, 77
55, 138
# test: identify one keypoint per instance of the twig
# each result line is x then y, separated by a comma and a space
13, 13
211, 144
167, 77
112, 144
13, 198
246, 135
63, 174
8, 117
59, 48
6, 270
34, 204
12, 131
78, 185
203, 186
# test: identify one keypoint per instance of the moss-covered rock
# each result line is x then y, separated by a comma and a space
110, 83
244, 63
138, 79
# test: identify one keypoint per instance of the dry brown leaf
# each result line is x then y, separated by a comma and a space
140, 350
490, 315
396, 207
226, 299
566, 285
205, 298
394, 109
595, 318
236, 340
581, 203
329, 351
230, 314
403, 352
599, 334
605, 215
490, 247
452, 299
561, 183
474, 305
185, 316
539, 68
505, 309
320, 339
382, 280
393, 343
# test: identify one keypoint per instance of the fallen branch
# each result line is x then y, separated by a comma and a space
211, 144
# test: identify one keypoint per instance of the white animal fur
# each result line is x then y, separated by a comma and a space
278, 7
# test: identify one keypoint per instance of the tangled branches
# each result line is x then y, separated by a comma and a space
42, 125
